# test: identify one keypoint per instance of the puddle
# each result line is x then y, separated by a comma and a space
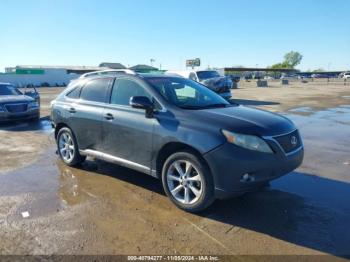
339, 114
44, 125
304, 109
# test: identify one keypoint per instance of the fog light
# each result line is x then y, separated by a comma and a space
247, 178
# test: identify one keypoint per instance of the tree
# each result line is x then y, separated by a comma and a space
280, 66
293, 58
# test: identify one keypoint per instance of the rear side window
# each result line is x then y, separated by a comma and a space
75, 93
95, 90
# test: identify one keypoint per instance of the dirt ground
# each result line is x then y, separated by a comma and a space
102, 208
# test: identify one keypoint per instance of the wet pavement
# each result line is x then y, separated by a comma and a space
102, 208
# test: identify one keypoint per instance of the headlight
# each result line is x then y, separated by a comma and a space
247, 141
33, 105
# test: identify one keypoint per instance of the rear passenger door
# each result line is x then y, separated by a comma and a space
127, 133
86, 114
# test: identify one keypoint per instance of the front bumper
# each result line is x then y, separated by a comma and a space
229, 163
29, 114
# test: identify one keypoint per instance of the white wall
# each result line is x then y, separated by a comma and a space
51, 76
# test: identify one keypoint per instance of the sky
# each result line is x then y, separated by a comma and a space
219, 32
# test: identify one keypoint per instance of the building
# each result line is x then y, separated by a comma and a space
41, 75
143, 68
254, 71
112, 65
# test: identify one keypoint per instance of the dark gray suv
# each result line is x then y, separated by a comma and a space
175, 129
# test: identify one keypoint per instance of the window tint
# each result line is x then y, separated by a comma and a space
124, 89
95, 90
74, 94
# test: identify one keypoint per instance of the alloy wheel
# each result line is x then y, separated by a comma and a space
184, 182
66, 147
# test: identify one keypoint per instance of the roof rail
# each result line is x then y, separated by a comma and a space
108, 72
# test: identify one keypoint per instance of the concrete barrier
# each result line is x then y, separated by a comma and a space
234, 85
261, 83
285, 82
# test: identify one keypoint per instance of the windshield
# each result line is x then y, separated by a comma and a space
8, 90
203, 75
185, 93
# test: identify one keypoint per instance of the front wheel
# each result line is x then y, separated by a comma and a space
187, 181
68, 147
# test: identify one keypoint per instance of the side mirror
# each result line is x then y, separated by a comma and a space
142, 102
32, 93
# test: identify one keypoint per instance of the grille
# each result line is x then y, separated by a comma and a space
289, 142
16, 108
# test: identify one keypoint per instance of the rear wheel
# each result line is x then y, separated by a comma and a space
68, 147
187, 181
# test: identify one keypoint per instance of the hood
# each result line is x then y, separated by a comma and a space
15, 99
247, 120
217, 82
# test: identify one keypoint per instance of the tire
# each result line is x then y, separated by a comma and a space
70, 154
200, 190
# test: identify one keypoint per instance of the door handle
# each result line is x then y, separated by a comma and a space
72, 110
109, 116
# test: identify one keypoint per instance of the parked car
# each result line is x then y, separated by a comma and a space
304, 76
234, 78
346, 75
320, 76
175, 129
15, 105
221, 85
289, 76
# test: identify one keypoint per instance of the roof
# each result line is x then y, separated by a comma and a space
108, 72
141, 75
112, 65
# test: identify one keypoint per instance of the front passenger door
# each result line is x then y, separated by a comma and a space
127, 133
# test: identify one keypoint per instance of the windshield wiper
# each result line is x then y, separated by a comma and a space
220, 105
216, 105
190, 107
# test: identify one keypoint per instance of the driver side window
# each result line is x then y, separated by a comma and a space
124, 89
